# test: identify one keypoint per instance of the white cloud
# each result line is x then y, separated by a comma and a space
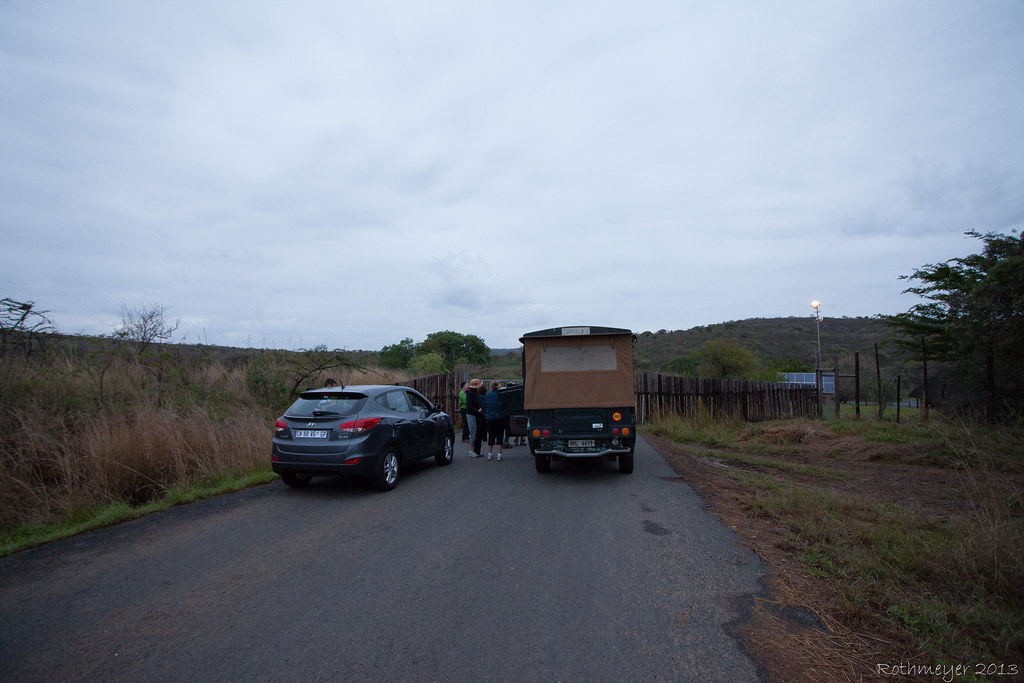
355, 174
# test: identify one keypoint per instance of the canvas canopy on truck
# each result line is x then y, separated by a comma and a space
572, 367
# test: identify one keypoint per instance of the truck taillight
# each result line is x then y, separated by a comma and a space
539, 432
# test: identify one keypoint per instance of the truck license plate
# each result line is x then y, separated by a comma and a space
581, 443
311, 433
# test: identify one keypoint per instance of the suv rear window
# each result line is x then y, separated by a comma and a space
313, 404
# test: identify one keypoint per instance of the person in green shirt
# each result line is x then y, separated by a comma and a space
462, 412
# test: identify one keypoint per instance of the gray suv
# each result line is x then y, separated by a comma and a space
368, 431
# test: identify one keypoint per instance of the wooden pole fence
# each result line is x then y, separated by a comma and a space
658, 396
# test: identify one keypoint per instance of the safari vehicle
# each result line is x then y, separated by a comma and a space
578, 394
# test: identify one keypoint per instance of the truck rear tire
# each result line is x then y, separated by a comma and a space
626, 463
543, 463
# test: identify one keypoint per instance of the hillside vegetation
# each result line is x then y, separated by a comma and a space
780, 342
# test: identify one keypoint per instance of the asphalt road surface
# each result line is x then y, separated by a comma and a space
481, 571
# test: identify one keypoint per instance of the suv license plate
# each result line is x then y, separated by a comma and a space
312, 433
581, 443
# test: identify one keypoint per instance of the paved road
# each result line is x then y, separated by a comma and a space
478, 571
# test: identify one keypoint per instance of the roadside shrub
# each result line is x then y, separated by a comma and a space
67, 446
266, 378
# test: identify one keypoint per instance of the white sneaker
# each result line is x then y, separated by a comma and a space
474, 454
489, 456
498, 458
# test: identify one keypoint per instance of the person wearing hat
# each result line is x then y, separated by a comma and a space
475, 416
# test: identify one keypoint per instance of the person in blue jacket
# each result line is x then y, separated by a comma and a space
495, 422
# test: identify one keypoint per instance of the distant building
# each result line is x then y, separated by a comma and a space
828, 380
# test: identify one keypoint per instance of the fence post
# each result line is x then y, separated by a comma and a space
878, 377
818, 383
835, 386
924, 365
856, 381
899, 397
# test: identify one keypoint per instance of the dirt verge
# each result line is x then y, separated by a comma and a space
791, 630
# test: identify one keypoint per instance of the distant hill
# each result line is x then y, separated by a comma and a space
230, 356
779, 340
775, 341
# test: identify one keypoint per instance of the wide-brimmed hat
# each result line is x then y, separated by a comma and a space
475, 383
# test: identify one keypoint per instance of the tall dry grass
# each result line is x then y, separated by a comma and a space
82, 431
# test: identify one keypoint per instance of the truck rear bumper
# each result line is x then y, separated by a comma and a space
588, 454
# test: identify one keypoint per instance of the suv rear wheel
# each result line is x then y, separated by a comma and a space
386, 477
296, 481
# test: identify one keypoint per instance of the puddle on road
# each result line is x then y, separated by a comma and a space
655, 528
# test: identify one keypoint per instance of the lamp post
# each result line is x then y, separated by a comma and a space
816, 305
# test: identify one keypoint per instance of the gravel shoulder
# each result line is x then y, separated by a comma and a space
795, 630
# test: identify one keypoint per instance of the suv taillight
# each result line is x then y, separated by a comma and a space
363, 424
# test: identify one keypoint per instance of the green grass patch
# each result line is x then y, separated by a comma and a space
87, 518
942, 586
906, 569
705, 430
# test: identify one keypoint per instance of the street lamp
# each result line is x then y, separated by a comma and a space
816, 305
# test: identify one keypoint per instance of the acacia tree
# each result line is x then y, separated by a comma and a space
684, 366
725, 358
439, 352
315, 362
971, 319
456, 348
21, 326
398, 355
145, 326
428, 364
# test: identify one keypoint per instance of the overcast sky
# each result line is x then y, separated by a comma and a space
289, 174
